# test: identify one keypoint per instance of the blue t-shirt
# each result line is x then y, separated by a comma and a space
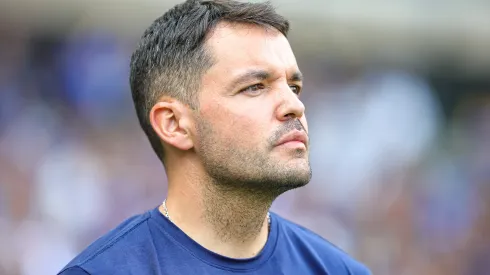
151, 244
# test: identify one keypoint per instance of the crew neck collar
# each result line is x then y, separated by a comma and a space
213, 258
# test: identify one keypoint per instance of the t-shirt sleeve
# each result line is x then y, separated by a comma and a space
74, 270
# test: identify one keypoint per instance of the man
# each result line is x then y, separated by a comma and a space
216, 88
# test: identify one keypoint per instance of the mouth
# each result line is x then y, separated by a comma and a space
296, 139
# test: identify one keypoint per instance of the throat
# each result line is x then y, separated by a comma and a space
236, 218
167, 215
231, 225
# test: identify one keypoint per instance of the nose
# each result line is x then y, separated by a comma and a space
290, 106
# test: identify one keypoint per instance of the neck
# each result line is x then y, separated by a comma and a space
232, 223
236, 217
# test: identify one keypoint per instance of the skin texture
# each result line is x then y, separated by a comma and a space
223, 161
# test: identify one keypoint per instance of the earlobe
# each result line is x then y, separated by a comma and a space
169, 120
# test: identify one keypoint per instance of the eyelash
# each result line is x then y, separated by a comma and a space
298, 88
253, 86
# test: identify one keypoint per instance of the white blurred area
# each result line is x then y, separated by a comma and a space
411, 32
397, 97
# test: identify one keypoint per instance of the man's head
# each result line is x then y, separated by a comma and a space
217, 81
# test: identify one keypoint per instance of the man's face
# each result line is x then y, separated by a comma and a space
249, 102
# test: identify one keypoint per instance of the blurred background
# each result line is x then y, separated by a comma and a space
398, 102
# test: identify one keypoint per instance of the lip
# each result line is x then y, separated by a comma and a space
294, 136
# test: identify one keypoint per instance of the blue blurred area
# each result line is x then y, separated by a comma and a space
401, 158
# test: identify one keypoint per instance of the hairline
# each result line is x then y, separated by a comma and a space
209, 53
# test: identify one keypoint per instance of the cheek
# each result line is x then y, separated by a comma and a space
242, 129
238, 122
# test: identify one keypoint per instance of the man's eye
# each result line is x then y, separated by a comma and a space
253, 89
295, 88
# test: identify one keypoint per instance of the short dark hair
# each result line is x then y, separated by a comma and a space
171, 58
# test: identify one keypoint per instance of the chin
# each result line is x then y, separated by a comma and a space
296, 176
290, 184
300, 165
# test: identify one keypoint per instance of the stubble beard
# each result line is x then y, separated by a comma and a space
250, 172
240, 185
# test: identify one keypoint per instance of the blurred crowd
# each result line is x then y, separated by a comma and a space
398, 181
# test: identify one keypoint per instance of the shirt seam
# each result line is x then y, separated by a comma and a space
74, 266
111, 243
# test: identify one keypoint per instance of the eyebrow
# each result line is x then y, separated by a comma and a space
261, 75
296, 77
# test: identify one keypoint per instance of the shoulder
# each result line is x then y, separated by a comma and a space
308, 242
111, 248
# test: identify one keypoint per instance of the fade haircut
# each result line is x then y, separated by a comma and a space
171, 56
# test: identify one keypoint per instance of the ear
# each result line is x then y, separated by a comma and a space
171, 121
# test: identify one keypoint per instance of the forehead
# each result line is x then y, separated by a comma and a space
239, 47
